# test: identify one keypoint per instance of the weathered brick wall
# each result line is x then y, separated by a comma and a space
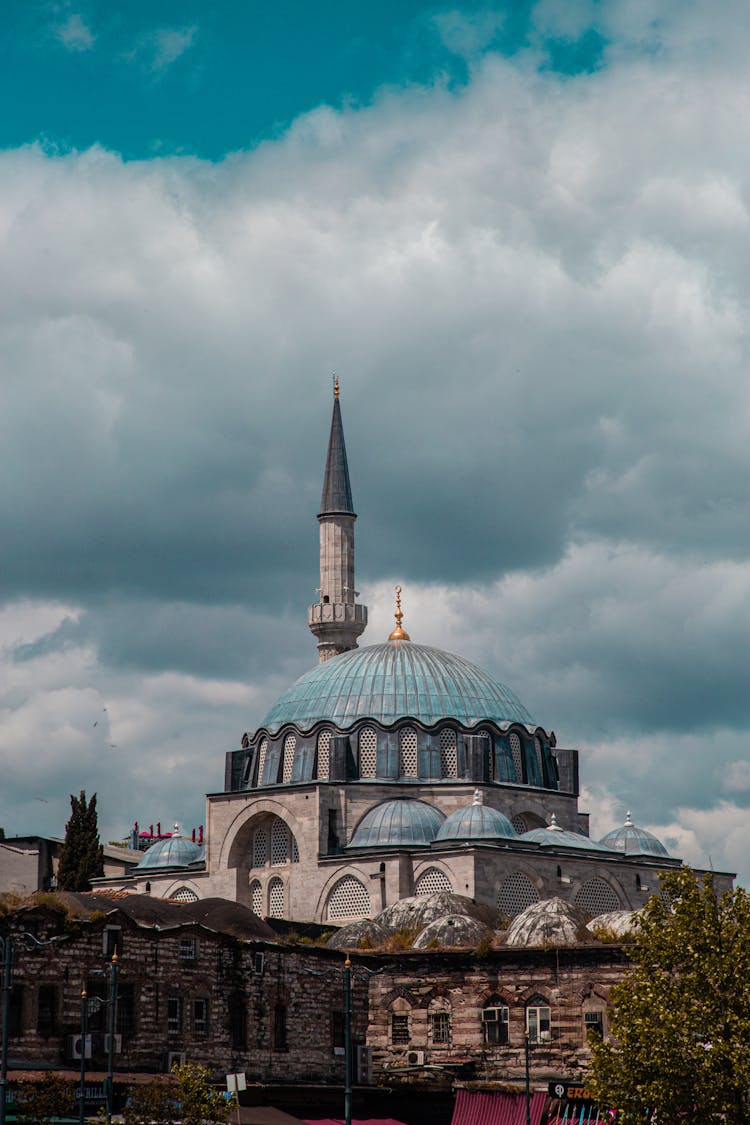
570, 981
223, 972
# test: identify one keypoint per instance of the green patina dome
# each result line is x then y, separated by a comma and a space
392, 681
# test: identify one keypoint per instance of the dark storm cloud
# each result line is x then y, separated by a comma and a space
536, 294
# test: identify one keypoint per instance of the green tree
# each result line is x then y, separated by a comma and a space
153, 1102
680, 1020
82, 855
39, 1102
199, 1101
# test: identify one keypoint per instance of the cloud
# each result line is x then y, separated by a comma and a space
74, 33
535, 290
157, 50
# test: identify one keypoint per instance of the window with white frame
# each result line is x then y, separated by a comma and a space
174, 1015
200, 1017
187, 949
496, 1022
538, 1020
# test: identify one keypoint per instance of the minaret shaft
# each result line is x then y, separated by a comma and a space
336, 620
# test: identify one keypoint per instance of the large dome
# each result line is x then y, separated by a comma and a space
392, 681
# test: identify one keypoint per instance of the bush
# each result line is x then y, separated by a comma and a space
38, 1102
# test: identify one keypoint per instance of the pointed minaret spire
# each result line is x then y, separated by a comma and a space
336, 620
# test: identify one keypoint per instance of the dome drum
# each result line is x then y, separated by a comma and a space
405, 752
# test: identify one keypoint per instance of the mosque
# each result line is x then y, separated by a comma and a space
396, 770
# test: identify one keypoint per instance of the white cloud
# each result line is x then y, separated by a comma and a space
160, 48
536, 292
74, 33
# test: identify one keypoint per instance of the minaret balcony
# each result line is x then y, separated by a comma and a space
349, 613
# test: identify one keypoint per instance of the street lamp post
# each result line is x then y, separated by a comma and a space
92, 1004
526, 1051
112, 1024
7, 952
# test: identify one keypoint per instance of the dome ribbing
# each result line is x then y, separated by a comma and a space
399, 822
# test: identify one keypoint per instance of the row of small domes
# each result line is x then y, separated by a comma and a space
411, 822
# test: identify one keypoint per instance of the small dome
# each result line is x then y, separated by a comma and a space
391, 681
419, 910
363, 932
451, 930
476, 822
633, 840
550, 922
174, 851
621, 923
397, 822
555, 837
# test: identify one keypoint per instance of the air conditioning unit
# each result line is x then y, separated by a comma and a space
364, 1065
175, 1058
74, 1045
117, 1048
415, 1058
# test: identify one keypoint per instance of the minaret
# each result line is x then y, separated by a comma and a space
336, 620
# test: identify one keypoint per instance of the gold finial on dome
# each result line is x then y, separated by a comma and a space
335, 386
398, 633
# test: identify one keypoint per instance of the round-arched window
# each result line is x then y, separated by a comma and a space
516, 893
448, 753
516, 749
324, 755
184, 894
432, 881
276, 898
597, 897
368, 752
256, 898
348, 899
407, 744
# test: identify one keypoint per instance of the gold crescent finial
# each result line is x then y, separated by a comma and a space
335, 386
398, 633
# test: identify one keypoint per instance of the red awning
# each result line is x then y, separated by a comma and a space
473, 1108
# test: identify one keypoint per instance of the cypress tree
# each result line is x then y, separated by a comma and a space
82, 855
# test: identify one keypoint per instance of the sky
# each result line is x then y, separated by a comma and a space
520, 233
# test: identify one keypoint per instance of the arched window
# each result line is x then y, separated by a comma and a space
516, 893
407, 745
279, 843
448, 753
439, 1022
324, 754
348, 899
597, 897
495, 1021
184, 894
538, 1020
260, 847
519, 823
290, 745
431, 881
262, 759
276, 899
368, 752
516, 750
539, 755
256, 898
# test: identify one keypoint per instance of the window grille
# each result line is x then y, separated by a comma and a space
290, 745
276, 898
295, 849
174, 1015
408, 752
262, 759
324, 754
256, 898
519, 823
440, 1027
538, 1021
260, 848
200, 1017
431, 881
515, 894
399, 1029
448, 753
348, 899
495, 1024
184, 894
594, 1022
517, 754
597, 897
279, 843
47, 1006
368, 752
187, 949
279, 1027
